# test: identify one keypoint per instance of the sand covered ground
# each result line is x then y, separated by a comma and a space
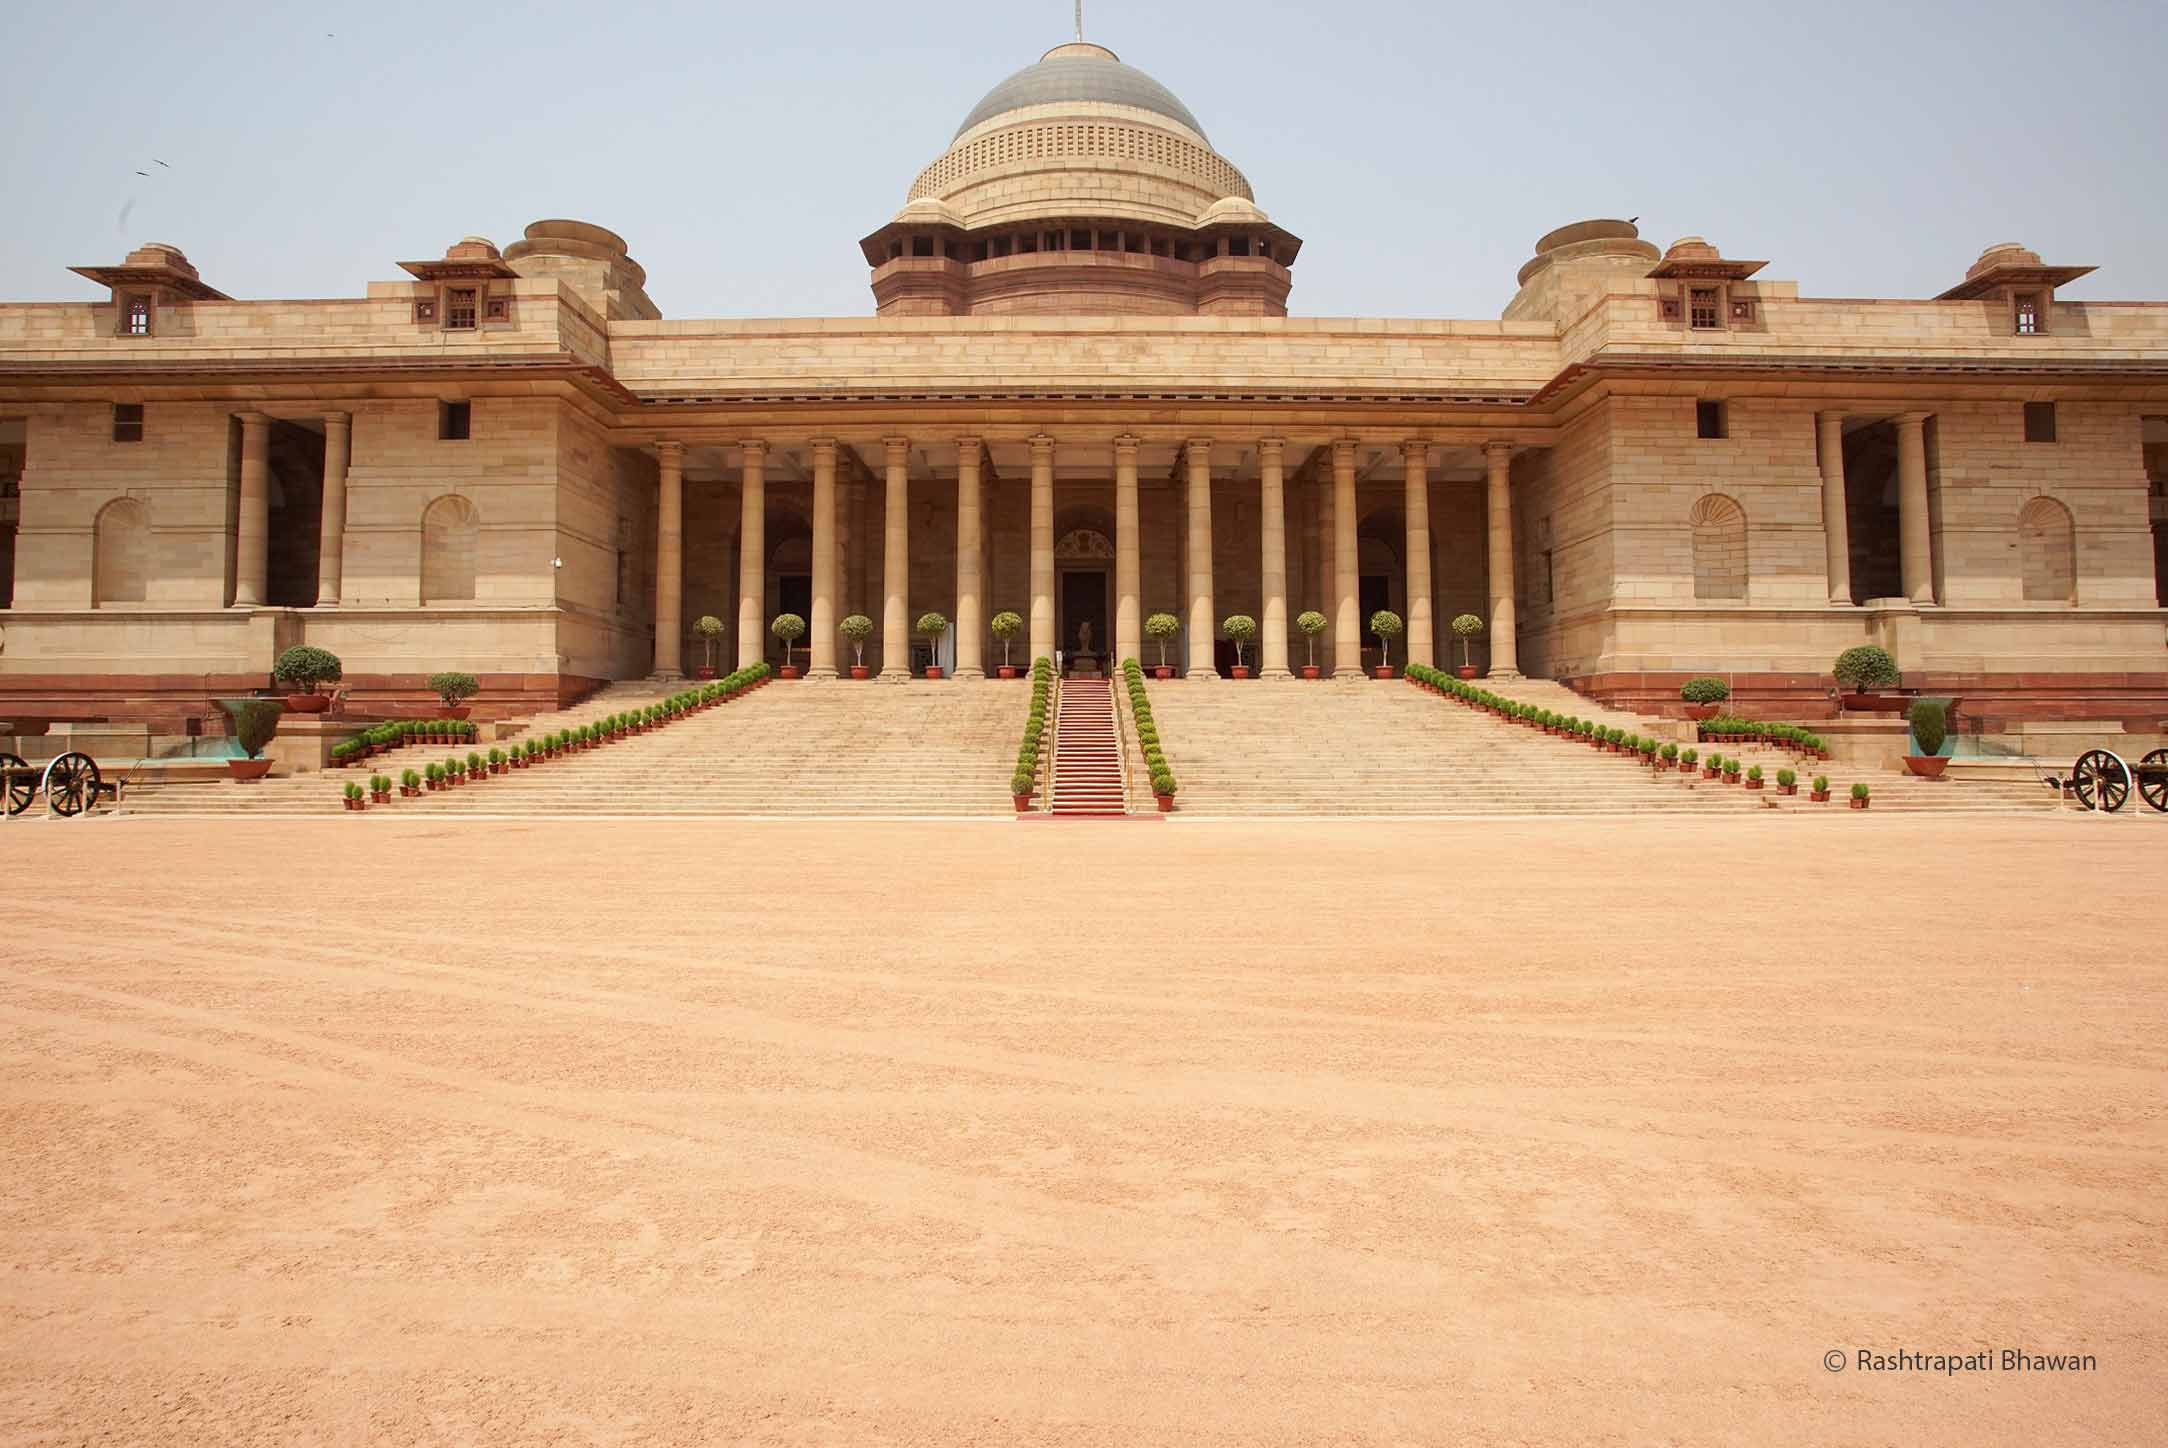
338, 1131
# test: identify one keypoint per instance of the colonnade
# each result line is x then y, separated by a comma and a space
1915, 532
1195, 471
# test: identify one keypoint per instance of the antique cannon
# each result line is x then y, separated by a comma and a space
71, 783
2101, 780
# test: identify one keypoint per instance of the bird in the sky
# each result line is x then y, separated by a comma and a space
1631, 220
143, 173
162, 163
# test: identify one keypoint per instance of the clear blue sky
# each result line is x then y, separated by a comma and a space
1419, 148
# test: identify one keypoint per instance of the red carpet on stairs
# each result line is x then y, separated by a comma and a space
1087, 752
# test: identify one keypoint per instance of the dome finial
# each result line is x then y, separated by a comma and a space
1080, 22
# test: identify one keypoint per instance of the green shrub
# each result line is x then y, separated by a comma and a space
1022, 782
436, 772
254, 724
305, 666
454, 687
1162, 626
1753, 771
788, 627
410, 779
1241, 628
1670, 752
353, 791
1388, 626
496, 756
1689, 757
857, 628
1787, 777
1821, 783
1704, 689
1930, 719
1865, 666
1006, 625
1859, 791
530, 749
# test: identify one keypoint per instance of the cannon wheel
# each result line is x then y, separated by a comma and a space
71, 784
2153, 779
22, 782
2101, 780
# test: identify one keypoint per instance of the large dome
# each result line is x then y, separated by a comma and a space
1081, 72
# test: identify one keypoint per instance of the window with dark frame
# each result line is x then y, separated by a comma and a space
1701, 306
136, 317
497, 309
2027, 309
127, 422
1709, 419
459, 309
1742, 310
1668, 308
455, 421
425, 310
2039, 422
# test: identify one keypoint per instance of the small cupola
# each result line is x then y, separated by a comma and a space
2022, 286
467, 291
155, 276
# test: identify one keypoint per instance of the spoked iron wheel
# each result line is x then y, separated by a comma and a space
71, 784
2153, 779
21, 782
2101, 781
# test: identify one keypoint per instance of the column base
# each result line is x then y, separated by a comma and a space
969, 674
822, 674
893, 676
1275, 673
1506, 674
667, 676
1351, 676
1203, 676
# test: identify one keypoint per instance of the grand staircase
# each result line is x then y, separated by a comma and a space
1087, 767
1263, 748
796, 749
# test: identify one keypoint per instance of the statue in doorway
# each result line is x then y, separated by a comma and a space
1084, 638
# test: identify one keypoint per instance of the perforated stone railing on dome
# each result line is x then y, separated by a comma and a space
1093, 139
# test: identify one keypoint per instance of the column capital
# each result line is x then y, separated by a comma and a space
1343, 452
1498, 450
1128, 443
669, 451
824, 449
968, 449
1911, 419
1416, 449
339, 420
1829, 415
899, 449
1271, 447
1042, 446
755, 449
254, 419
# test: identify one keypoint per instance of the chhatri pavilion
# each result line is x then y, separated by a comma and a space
1082, 395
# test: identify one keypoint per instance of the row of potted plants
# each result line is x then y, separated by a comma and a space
790, 627
1615, 740
1155, 759
397, 733
1026, 776
1727, 730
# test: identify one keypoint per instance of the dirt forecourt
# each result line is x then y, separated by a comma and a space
701, 1132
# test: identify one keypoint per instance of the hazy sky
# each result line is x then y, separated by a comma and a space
1419, 148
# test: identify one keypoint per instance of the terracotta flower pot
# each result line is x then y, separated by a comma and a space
860, 671
1712, 773
1466, 671
788, 671
703, 672
1871, 703
933, 671
1007, 671
1753, 783
1787, 789
1166, 802
1819, 796
1699, 712
1162, 672
310, 703
1242, 671
1311, 671
1858, 803
248, 769
1927, 766
1384, 671
1023, 802
497, 768
1730, 777
458, 711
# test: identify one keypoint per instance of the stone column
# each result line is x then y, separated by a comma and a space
252, 533
970, 567
821, 627
1504, 638
670, 562
1422, 633
1202, 626
1347, 631
752, 554
331, 550
1042, 547
1836, 533
1272, 539
1128, 565
896, 564
1913, 534
1313, 568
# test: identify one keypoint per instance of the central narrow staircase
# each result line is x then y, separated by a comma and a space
1087, 768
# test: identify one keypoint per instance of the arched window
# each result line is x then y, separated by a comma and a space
451, 529
2047, 551
1719, 547
120, 553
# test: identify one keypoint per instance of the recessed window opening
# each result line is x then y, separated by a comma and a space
127, 422
2039, 422
1709, 420
459, 309
455, 421
136, 321
1702, 306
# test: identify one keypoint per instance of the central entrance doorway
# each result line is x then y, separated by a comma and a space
1083, 560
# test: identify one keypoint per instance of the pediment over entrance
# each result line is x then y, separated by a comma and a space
1082, 544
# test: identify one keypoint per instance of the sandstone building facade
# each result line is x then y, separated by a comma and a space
1081, 396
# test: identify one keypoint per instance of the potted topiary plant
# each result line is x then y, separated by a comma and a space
1703, 693
1820, 793
301, 668
1467, 626
857, 628
1020, 785
1861, 669
1162, 626
354, 802
933, 625
253, 725
410, 784
1930, 722
380, 788
788, 627
496, 761
455, 689
1859, 796
1006, 625
1787, 781
710, 628
1387, 626
1753, 776
1312, 623
1163, 789
1241, 628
